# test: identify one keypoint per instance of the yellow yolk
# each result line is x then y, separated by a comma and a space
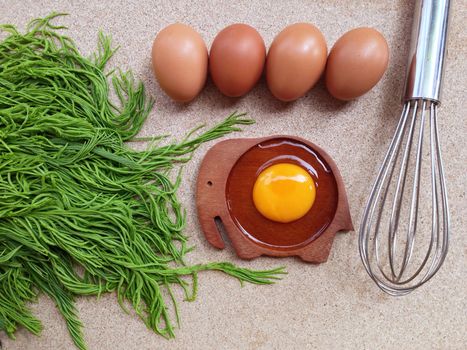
284, 192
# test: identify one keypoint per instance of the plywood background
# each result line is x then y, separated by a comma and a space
330, 306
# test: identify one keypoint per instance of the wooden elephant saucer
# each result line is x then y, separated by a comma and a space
224, 193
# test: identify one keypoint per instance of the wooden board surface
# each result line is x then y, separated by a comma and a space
328, 306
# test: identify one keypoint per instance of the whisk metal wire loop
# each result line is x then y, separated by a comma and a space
401, 171
394, 282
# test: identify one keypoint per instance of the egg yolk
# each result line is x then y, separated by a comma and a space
284, 192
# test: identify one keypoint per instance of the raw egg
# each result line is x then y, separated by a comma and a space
180, 62
356, 63
296, 60
236, 59
284, 192
280, 193
277, 196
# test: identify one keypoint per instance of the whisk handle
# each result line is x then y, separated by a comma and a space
427, 51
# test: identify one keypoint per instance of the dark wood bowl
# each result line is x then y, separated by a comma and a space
225, 182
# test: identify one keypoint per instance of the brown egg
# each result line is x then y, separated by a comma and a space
180, 61
296, 60
236, 59
356, 63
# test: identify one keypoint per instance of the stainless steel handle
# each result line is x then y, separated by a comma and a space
427, 51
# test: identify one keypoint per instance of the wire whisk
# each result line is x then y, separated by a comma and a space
393, 227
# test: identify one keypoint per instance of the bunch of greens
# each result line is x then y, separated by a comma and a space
81, 213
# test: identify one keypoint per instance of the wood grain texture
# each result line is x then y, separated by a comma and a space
213, 195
